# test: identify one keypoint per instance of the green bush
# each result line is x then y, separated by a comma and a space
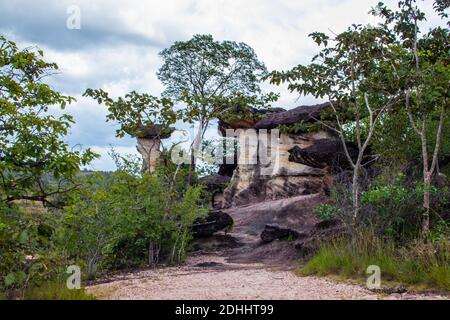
326, 211
27, 253
395, 211
128, 219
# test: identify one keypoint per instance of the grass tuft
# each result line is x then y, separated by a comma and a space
53, 290
424, 266
56, 291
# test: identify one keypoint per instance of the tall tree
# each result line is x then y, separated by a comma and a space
352, 74
202, 71
423, 74
35, 162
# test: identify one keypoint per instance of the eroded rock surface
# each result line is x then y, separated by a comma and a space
215, 221
279, 181
149, 143
276, 232
299, 114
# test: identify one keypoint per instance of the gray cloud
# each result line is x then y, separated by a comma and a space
44, 22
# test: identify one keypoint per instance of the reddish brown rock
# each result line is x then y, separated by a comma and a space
299, 114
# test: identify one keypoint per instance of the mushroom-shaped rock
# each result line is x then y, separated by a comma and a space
155, 131
245, 119
299, 114
149, 141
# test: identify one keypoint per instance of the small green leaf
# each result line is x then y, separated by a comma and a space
23, 238
10, 279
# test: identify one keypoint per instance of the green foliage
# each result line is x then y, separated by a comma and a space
398, 146
391, 208
137, 111
128, 219
325, 211
387, 86
394, 211
32, 147
55, 290
214, 80
207, 68
415, 265
27, 253
350, 66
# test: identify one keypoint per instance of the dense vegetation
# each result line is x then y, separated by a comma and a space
395, 81
388, 88
53, 216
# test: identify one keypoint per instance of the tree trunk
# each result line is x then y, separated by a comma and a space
153, 253
172, 258
426, 205
150, 254
355, 192
427, 183
191, 167
196, 144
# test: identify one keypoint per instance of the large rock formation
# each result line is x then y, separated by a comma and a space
149, 142
324, 154
289, 117
254, 181
276, 232
265, 170
278, 182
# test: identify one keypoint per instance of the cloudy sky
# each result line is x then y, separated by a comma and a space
117, 46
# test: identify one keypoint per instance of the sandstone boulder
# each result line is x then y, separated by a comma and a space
215, 221
323, 153
275, 232
299, 114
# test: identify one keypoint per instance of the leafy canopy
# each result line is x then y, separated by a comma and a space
33, 153
203, 73
136, 111
207, 68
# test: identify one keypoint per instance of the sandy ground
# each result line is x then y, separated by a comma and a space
219, 280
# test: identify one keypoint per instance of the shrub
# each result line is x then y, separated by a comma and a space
395, 211
392, 211
325, 211
27, 255
128, 219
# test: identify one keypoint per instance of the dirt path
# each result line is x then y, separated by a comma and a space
222, 268
211, 278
